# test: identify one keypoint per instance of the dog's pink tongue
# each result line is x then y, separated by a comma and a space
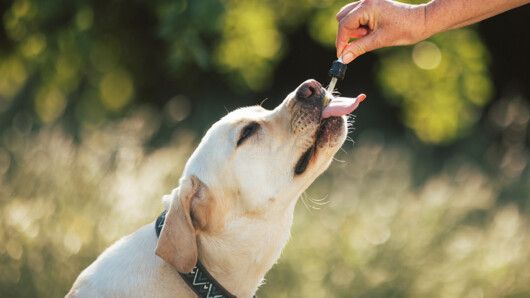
340, 106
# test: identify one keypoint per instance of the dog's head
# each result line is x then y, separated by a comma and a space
251, 165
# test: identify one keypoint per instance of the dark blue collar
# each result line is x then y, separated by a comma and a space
199, 279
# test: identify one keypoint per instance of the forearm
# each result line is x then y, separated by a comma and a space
443, 15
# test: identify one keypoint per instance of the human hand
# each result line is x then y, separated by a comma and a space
377, 24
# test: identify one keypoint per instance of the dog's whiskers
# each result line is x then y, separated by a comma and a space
322, 200
338, 160
303, 197
263, 101
314, 204
310, 203
319, 202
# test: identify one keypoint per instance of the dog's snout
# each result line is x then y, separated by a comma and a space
308, 89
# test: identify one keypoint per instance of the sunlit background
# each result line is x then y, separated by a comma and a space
102, 102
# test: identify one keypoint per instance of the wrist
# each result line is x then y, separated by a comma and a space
441, 16
412, 22
422, 30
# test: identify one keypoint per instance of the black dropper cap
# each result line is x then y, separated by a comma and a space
338, 69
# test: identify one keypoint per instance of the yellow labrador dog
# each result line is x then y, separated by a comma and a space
234, 206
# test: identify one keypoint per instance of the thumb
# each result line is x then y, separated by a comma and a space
358, 47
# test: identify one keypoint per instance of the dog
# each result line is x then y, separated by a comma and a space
233, 208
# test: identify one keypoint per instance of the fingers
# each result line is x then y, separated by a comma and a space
346, 9
359, 47
347, 26
351, 26
359, 32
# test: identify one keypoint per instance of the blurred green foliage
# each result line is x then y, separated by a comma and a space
102, 102
440, 97
75, 59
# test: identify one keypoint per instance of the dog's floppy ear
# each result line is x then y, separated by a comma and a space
188, 212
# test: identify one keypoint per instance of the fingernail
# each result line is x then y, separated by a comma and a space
347, 58
362, 97
340, 49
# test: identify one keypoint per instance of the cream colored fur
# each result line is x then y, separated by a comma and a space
233, 208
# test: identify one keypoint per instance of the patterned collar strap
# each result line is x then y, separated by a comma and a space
199, 279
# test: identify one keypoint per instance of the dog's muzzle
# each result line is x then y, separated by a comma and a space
307, 122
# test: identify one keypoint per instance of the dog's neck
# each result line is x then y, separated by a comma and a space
240, 261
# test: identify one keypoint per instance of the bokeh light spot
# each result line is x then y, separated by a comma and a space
426, 55
84, 18
33, 45
440, 104
21, 8
266, 43
177, 109
67, 69
14, 249
13, 74
250, 45
49, 103
72, 243
116, 89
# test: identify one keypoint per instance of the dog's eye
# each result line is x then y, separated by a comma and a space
247, 131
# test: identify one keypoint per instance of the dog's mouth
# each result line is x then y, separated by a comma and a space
303, 162
331, 124
328, 127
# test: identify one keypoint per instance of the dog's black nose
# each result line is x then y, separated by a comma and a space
309, 90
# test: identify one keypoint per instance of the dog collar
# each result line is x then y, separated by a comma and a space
199, 279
